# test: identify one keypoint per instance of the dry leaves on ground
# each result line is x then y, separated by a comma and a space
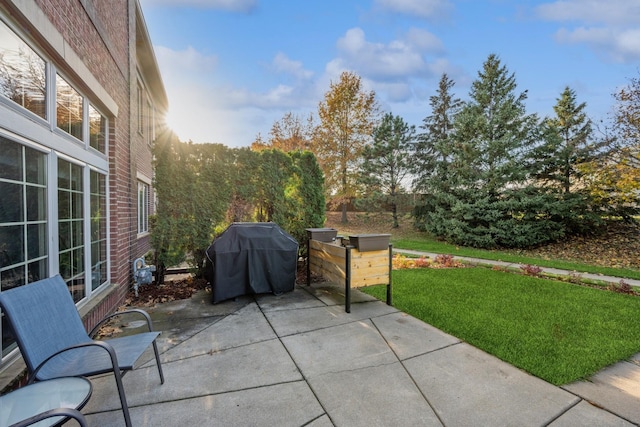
150, 295
618, 246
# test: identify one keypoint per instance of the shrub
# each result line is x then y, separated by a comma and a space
531, 270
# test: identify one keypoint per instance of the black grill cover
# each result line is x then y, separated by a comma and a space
251, 258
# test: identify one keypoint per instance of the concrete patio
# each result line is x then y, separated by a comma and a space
300, 360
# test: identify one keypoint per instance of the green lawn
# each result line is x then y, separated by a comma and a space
557, 331
430, 245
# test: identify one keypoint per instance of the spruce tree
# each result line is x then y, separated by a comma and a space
567, 146
432, 156
490, 202
385, 162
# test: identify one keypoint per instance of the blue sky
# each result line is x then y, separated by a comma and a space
233, 67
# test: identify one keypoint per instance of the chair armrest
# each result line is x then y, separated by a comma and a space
120, 313
102, 344
59, 412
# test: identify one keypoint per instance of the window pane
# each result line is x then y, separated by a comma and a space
68, 108
98, 229
64, 174
97, 129
77, 231
71, 227
76, 204
36, 166
98, 275
76, 177
36, 203
64, 204
12, 278
11, 245
11, 203
36, 240
64, 235
22, 73
37, 270
65, 264
76, 287
143, 206
10, 160
78, 261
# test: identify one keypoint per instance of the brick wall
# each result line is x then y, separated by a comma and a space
103, 34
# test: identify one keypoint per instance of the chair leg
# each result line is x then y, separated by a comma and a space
123, 398
155, 350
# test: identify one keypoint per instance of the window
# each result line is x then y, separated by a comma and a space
98, 229
51, 185
23, 215
71, 227
97, 129
23, 220
69, 111
22, 73
143, 207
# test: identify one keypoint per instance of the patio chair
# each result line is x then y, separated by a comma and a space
53, 413
54, 342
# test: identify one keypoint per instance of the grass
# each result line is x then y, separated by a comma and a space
557, 331
430, 245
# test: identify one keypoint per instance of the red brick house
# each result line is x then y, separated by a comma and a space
81, 103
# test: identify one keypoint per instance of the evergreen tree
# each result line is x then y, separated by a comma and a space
489, 202
432, 152
208, 195
567, 144
305, 196
386, 161
558, 164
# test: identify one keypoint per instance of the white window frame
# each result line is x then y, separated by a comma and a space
144, 192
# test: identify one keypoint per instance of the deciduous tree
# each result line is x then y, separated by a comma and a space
614, 179
347, 117
292, 133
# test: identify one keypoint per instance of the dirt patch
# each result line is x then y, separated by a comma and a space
150, 295
171, 290
370, 223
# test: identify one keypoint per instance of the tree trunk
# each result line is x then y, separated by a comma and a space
160, 273
344, 213
394, 213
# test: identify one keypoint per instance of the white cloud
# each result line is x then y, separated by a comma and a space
429, 9
397, 70
282, 64
242, 6
609, 27
396, 59
424, 41
610, 12
618, 45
